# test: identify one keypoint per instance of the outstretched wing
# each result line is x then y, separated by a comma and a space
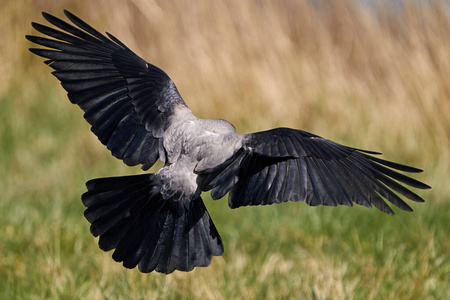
284, 164
126, 100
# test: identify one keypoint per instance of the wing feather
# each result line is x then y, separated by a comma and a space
127, 101
284, 164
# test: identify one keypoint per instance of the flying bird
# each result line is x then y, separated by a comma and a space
158, 221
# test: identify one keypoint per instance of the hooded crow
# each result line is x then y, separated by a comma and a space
158, 221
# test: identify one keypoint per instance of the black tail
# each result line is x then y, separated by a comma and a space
130, 215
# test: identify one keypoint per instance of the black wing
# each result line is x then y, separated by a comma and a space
284, 164
126, 100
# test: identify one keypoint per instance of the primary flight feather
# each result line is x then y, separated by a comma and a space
157, 221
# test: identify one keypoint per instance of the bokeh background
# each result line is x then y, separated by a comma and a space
369, 74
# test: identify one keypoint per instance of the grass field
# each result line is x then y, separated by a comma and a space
377, 81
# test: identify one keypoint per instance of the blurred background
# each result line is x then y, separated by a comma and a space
369, 74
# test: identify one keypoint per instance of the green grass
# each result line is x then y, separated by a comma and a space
326, 77
280, 251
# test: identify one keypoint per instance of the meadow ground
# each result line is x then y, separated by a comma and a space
375, 79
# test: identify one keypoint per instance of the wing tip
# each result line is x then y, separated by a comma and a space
49, 17
30, 37
68, 13
424, 186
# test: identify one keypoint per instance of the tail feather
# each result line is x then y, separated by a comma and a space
130, 215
